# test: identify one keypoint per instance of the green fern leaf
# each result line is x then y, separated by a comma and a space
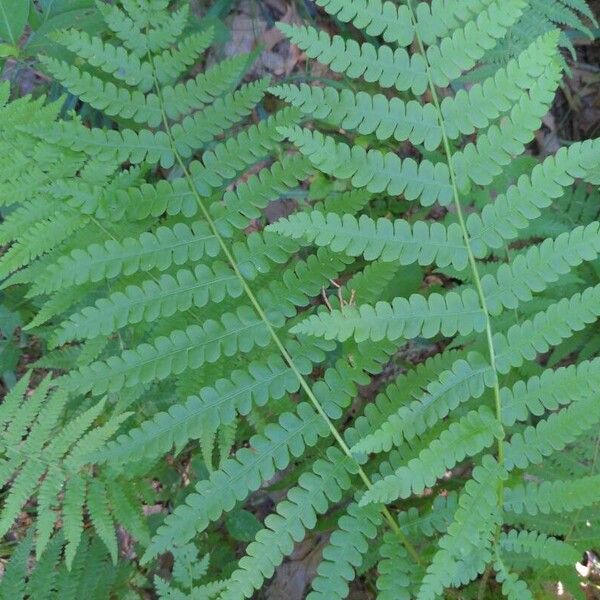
114, 60
158, 250
484, 160
465, 379
552, 496
12, 584
467, 437
546, 329
344, 552
366, 113
513, 210
469, 536
383, 65
315, 490
389, 240
217, 405
172, 63
396, 579
551, 434
373, 169
403, 318
105, 95
203, 126
549, 391
539, 546
152, 300
110, 145
145, 31
237, 477
75, 492
512, 587
101, 518
182, 349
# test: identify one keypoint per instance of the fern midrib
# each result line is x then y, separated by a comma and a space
272, 333
472, 261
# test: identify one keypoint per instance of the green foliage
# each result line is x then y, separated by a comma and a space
198, 339
42, 459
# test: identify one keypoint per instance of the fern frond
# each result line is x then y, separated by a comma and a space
416, 316
466, 46
73, 504
12, 584
197, 345
344, 552
40, 238
396, 68
151, 300
113, 60
261, 381
171, 64
549, 391
395, 568
375, 17
512, 587
465, 379
316, 489
374, 170
272, 450
158, 250
389, 240
546, 329
467, 437
540, 266
43, 461
469, 536
109, 145
484, 160
551, 434
383, 65
434, 518
474, 109
100, 516
239, 331
224, 162
105, 95
366, 113
175, 264
143, 33
204, 88
512, 211
45, 573
463, 113
552, 496
203, 126
406, 386
538, 545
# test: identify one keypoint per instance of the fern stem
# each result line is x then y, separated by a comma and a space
467, 239
273, 334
